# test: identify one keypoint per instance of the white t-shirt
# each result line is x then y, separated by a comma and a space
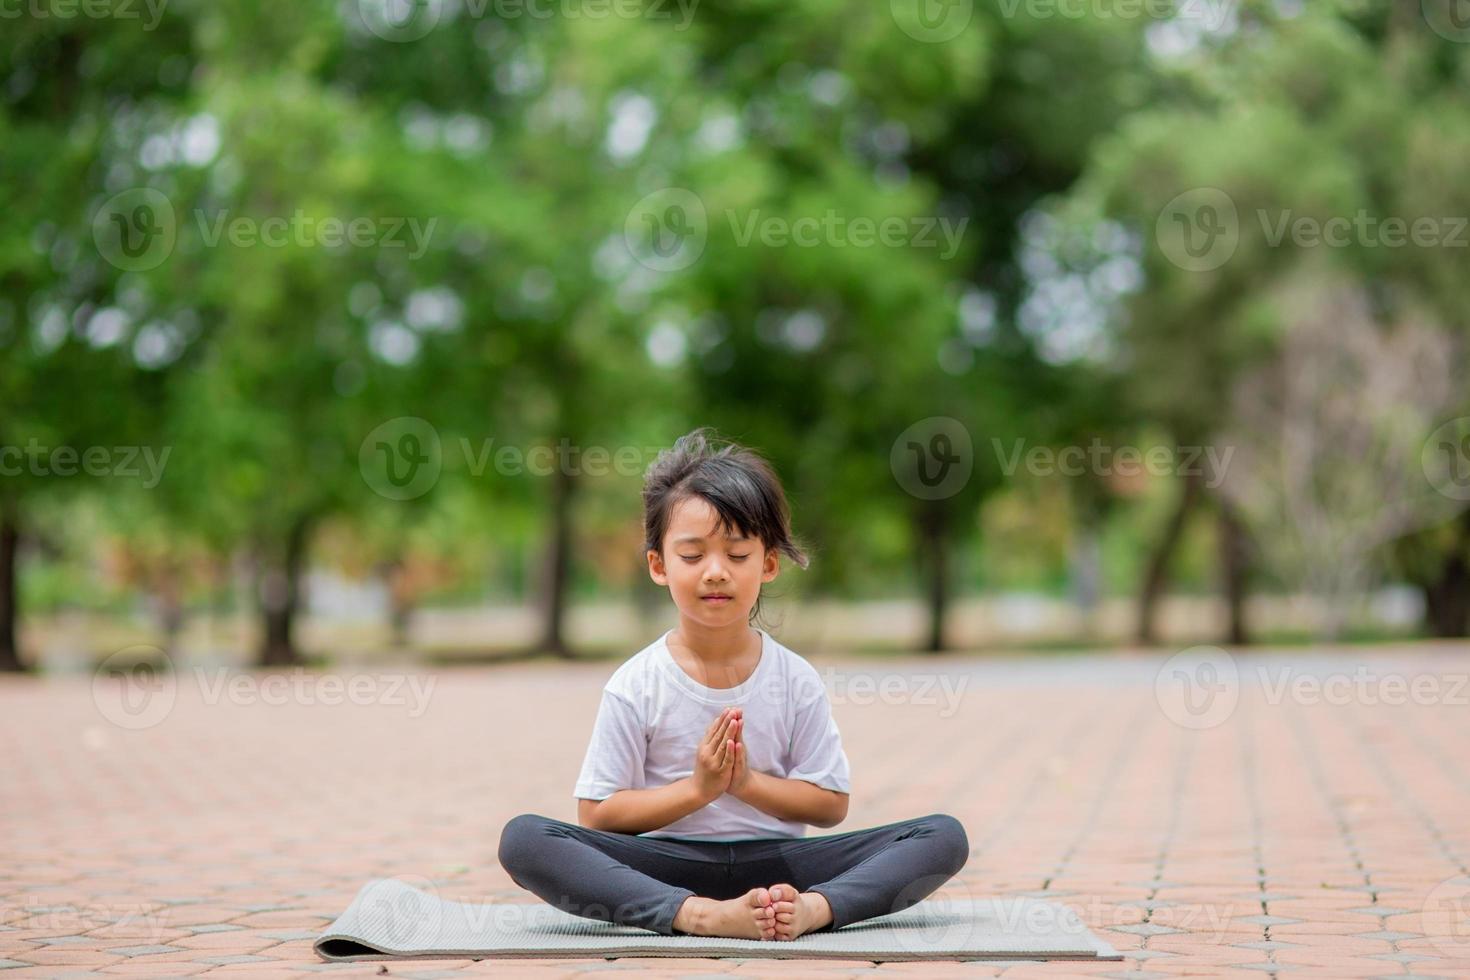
653, 715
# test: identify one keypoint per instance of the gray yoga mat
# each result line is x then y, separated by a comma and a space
390, 919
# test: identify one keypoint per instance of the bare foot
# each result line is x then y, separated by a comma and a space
751, 916
799, 912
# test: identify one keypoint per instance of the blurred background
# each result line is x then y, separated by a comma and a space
341, 331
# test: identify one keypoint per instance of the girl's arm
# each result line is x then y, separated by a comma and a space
635, 811
793, 799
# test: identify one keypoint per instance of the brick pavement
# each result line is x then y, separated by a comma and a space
1292, 812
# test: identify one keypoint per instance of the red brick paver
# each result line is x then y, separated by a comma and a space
1278, 812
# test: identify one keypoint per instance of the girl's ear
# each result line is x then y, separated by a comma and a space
656, 568
771, 565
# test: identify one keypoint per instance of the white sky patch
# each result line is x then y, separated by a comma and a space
828, 87
437, 310
633, 118
157, 343
804, 330
977, 316
393, 342
107, 326
49, 330
200, 140
465, 134
666, 344
1077, 276
719, 133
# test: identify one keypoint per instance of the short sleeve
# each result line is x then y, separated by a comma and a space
816, 746
616, 752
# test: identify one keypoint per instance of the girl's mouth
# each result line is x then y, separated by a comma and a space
715, 599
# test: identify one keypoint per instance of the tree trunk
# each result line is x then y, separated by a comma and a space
280, 596
9, 611
932, 520
1085, 566
1234, 567
1158, 566
397, 579
1447, 598
168, 597
556, 565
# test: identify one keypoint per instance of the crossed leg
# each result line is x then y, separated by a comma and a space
774, 888
831, 881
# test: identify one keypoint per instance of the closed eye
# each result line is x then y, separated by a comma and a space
739, 557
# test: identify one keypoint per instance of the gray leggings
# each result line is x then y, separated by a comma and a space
642, 881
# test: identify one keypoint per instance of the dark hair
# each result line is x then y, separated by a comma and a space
737, 482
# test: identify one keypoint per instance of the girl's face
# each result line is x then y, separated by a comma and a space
713, 578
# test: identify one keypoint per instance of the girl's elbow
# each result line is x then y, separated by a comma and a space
837, 812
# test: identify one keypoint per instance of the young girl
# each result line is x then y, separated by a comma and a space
715, 746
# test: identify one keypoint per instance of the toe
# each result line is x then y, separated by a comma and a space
763, 896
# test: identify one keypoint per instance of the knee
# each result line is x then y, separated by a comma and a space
518, 840
951, 840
